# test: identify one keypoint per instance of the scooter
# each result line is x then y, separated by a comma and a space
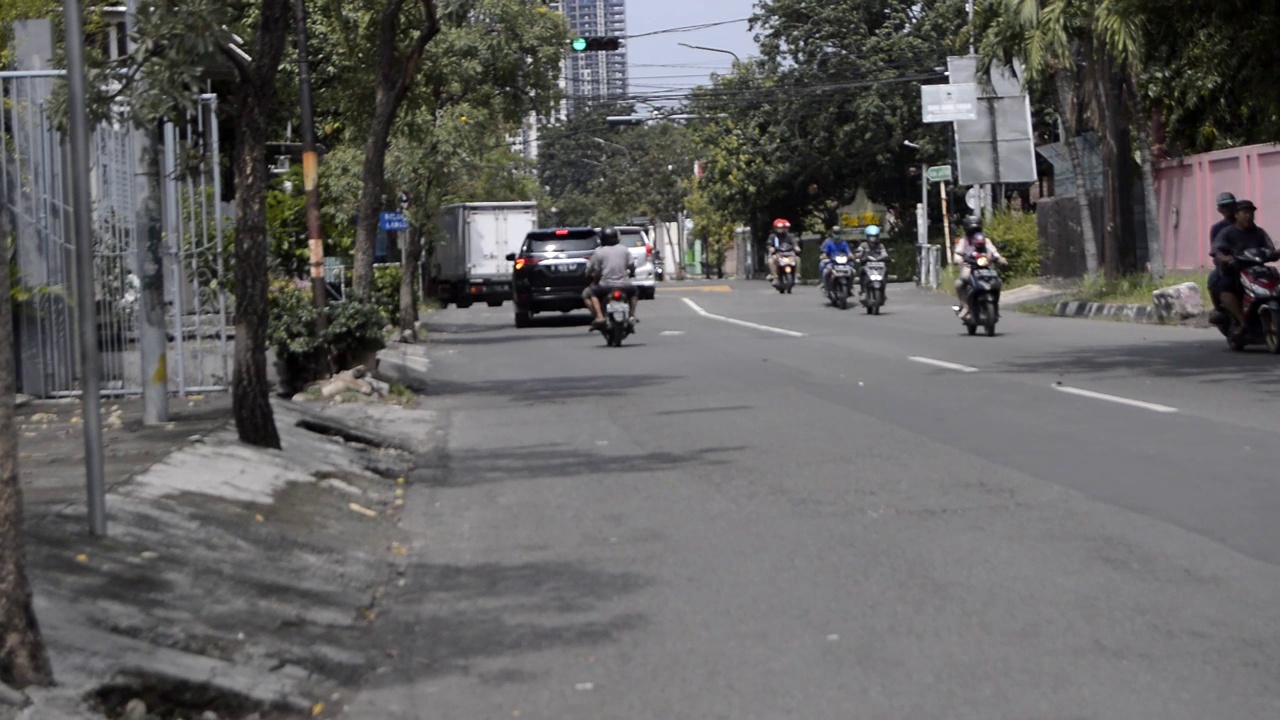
617, 319
1260, 300
839, 281
873, 273
984, 295
786, 280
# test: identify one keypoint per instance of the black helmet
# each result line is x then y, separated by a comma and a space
972, 225
609, 236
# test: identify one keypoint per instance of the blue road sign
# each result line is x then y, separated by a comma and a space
393, 221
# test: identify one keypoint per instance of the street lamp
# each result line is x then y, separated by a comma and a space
736, 59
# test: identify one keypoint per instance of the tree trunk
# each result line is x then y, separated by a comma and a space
1066, 105
395, 75
23, 659
412, 257
1155, 244
251, 388
1102, 86
372, 181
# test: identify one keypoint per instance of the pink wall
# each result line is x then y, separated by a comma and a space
1187, 187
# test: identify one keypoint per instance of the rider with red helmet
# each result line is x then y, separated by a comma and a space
781, 236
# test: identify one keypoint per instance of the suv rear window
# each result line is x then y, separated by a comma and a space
545, 241
631, 238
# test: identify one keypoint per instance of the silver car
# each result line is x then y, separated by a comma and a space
637, 241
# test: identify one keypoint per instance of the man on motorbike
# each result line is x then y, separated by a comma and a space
831, 247
610, 268
1230, 242
1226, 206
871, 248
973, 239
781, 236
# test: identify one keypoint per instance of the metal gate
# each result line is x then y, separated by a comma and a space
34, 193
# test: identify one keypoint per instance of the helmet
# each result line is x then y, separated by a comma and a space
781, 224
836, 229
872, 232
972, 225
1226, 199
609, 235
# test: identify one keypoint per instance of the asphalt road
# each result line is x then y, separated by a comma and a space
859, 517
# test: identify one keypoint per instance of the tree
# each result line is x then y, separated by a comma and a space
395, 67
23, 659
1092, 52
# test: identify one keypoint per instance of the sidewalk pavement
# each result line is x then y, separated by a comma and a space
233, 579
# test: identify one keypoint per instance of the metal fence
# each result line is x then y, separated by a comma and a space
34, 193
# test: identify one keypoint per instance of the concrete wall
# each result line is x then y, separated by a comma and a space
1186, 189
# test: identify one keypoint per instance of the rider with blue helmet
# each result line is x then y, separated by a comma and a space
831, 247
871, 248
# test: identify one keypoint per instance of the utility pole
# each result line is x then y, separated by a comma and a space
310, 169
86, 308
153, 338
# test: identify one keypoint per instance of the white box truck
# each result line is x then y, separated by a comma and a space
470, 262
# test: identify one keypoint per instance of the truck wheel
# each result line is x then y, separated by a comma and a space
495, 303
464, 304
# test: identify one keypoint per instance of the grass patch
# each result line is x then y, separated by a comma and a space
401, 395
1136, 289
1040, 308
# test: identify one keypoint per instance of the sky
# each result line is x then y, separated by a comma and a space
658, 63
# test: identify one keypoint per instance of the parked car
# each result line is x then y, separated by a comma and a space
550, 271
637, 241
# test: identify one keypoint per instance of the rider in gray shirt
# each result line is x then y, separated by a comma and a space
610, 269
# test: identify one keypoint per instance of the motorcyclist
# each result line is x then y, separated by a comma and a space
1227, 245
781, 236
871, 248
973, 239
1226, 206
610, 268
831, 247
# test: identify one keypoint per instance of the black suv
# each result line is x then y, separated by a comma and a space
551, 271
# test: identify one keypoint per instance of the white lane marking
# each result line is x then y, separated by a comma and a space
671, 332
734, 321
1116, 399
943, 364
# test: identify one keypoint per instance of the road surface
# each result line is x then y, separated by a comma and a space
765, 508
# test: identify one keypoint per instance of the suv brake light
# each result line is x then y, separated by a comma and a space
521, 263
561, 233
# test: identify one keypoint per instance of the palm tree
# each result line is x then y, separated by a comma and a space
1090, 50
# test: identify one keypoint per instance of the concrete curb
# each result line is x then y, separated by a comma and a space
1145, 314
404, 363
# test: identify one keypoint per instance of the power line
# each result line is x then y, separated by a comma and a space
687, 28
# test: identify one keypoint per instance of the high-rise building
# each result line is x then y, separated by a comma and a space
594, 77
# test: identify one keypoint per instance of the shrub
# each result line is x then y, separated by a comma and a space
1018, 239
386, 289
353, 334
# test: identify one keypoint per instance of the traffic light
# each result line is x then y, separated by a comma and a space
596, 44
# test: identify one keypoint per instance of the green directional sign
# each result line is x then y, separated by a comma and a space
939, 173
579, 44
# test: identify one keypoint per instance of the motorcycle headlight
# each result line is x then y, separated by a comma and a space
983, 262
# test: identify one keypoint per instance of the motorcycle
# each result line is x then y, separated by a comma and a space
1260, 301
873, 274
839, 281
984, 294
787, 266
617, 317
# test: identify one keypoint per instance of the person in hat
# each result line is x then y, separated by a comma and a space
1227, 207
1233, 240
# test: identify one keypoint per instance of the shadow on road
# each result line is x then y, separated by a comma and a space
531, 462
462, 614
1205, 362
552, 389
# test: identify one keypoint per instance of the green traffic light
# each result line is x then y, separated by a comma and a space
579, 44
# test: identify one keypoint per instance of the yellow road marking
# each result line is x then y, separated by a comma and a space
704, 288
